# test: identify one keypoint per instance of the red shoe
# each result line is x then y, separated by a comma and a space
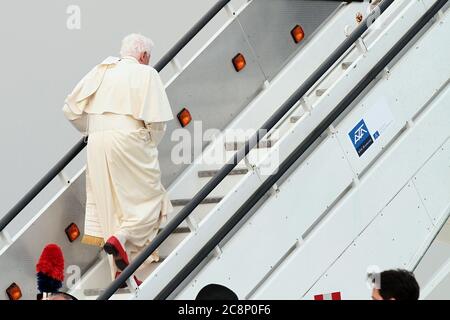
114, 247
124, 285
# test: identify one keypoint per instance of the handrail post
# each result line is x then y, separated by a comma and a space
5, 239
176, 65
65, 180
230, 10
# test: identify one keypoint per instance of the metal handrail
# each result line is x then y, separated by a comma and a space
80, 145
239, 155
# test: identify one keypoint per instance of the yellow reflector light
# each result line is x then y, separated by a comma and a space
72, 232
239, 62
298, 34
14, 292
184, 117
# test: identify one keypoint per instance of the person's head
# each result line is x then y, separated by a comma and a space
396, 285
137, 46
56, 296
216, 292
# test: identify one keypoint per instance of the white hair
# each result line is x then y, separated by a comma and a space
136, 44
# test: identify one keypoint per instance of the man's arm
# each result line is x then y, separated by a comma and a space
157, 130
78, 121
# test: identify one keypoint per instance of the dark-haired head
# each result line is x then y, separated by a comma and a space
396, 285
216, 292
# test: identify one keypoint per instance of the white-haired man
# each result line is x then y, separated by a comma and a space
123, 107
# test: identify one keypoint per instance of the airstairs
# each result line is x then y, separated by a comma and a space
348, 175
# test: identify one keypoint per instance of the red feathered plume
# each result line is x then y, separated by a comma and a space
51, 262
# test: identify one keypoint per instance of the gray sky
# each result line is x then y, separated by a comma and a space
42, 60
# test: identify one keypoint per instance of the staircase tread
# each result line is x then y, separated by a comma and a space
346, 65
235, 145
179, 230
211, 173
294, 119
97, 291
183, 202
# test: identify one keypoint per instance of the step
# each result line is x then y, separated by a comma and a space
183, 202
320, 92
121, 294
253, 157
225, 186
200, 212
295, 119
346, 65
235, 146
99, 275
284, 127
171, 243
212, 173
180, 229
92, 294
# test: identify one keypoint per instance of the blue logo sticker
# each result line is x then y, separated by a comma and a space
361, 138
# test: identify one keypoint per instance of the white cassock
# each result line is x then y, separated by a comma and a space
122, 105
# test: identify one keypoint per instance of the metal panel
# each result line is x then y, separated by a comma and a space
210, 87
390, 173
18, 262
389, 242
212, 90
358, 209
282, 219
268, 25
433, 183
404, 101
